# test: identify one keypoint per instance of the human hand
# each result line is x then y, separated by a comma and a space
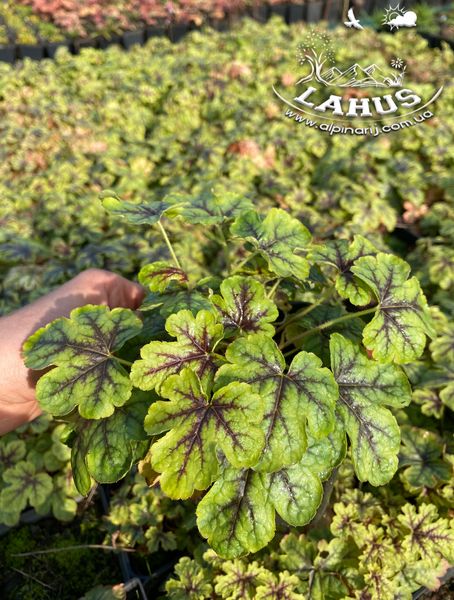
18, 403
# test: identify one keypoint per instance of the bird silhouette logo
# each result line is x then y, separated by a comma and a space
352, 20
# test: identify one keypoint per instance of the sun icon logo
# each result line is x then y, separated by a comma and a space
396, 17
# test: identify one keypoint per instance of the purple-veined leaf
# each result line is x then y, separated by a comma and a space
196, 337
365, 388
87, 373
304, 393
397, 332
197, 425
244, 307
277, 238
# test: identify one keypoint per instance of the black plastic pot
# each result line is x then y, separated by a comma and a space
85, 43
8, 53
52, 47
280, 10
105, 42
154, 31
33, 51
260, 13
295, 13
435, 41
314, 11
130, 38
177, 31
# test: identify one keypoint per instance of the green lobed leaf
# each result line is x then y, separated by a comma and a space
24, 486
295, 492
244, 307
142, 213
196, 337
420, 456
159, 275
397, 332
342, 255
186, 455
235, 515
323, 455
428, 537
277, 237
364, 388
104, 448
192, 583
208, 208
306, 392
86, 372
442, 347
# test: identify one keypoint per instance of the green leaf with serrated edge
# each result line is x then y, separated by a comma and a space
239, 581
159, 275
420, 454
427, 536
186, 456
105, 448
397, 332
196, 337
11, 452
235, 515
172, 301
208, 208
442, 347
87, 374
276, 238
244, 306
296, 493
283, 585
24, 485
304, 392
142, 213
342, 255
430, 402
364, 387
193, 582
323, 455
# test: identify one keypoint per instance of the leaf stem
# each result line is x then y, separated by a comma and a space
169, 245
328, 324
225, 246
79, 547
244, 262
304, 311
122, 360
272, 291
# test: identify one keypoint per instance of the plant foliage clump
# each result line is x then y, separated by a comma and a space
222, 398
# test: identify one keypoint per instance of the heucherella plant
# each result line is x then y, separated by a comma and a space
243, 388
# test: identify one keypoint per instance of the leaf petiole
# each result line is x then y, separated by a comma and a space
328, 324
169, 245
304, 311
244, 262
121, 360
